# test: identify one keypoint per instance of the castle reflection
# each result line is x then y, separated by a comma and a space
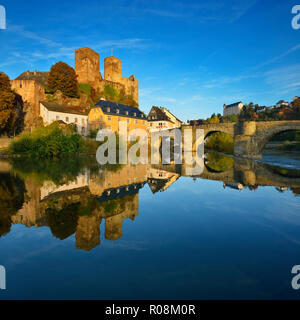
84, 196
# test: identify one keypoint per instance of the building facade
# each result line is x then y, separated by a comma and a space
232, 109
51, 112
160, 119
108, 115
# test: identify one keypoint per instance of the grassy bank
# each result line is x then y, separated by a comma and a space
52, 141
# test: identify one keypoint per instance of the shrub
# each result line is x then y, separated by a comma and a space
221, 142
51, 141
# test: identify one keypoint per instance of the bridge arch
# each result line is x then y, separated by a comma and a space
251, 145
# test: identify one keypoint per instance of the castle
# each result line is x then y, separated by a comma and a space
87, 68
31, 85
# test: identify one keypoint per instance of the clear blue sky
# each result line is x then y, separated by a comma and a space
190, 56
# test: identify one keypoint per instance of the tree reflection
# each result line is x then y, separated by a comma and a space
11, 200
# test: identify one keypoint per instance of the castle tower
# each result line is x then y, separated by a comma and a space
87, 66
113, 69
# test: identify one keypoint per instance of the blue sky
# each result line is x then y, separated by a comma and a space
190, 56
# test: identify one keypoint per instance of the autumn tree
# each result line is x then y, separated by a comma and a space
63, 77
7, 107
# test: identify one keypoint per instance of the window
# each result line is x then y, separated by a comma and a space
67, 119
109, 118
108, 109
134, 114
126, 112
143, 122
128, 121
82, 121
119, 119
21, 85
57, 117
150, 124
76, 120
136, 122
117, 111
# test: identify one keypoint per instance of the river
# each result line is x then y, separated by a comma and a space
70, 229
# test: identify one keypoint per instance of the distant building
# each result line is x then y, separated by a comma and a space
51, 112
162, 119
281, 104
295, 98
233, 185
106, 114
261, 109
231, 109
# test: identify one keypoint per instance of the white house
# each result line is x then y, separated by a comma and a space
51, 112
231, 109
281, 104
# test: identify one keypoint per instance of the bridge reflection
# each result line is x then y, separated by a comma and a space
80, 204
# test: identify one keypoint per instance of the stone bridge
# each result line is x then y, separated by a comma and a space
249, 137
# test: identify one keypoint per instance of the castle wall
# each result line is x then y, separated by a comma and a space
113, 69
87, 66
31, 92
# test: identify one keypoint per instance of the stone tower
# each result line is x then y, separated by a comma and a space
87, 66
113, 69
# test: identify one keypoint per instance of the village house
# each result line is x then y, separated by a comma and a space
107, 114
162, 119
281, 104
51, 112
232, 109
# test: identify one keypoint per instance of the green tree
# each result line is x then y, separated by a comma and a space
63, 77
213, 120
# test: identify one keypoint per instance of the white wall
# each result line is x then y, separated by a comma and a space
51, 116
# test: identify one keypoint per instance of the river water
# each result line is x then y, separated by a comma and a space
70, 229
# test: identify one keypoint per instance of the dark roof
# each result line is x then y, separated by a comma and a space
233, 104
63, 108
158, 114
39, 76
156, 185
120, 192
112, 108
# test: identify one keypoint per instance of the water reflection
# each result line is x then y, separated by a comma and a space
74, 196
